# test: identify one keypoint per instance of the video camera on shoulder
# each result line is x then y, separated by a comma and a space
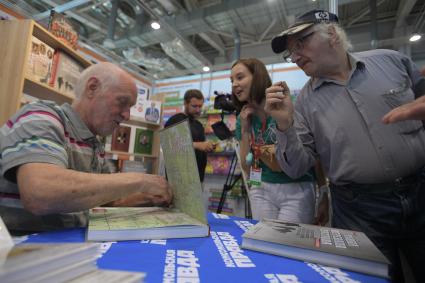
223, 101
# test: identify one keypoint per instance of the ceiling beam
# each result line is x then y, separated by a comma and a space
215, 41
266, 31
96, 25
404, 9
192, 49
363, 12
61, 8
210, 38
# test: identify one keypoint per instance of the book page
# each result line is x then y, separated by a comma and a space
127, 218
182, 170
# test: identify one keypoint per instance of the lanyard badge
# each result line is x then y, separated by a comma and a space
256, 171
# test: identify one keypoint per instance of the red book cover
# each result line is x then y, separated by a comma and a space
61, 27
65, 73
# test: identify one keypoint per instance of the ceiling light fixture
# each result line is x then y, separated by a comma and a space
206, 69
417, 28
155, 25
415, 37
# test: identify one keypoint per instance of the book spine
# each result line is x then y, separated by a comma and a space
54, 68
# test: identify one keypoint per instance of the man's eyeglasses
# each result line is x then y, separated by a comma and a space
297, 46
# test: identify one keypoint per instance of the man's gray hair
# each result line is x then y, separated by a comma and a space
107, 73
322, 29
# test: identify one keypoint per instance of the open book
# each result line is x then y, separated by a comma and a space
346, 249
186, 219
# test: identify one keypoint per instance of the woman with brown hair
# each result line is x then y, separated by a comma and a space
272, 194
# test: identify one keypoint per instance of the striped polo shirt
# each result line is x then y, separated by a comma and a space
43, 132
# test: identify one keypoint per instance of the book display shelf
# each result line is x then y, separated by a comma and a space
15, 51
28, 74
134, 146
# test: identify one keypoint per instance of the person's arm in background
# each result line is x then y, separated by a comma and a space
243, 134
322, 216
414, 110
206, 146
49, 188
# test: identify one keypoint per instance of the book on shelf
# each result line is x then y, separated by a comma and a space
138, 109
121, 138
351, 250
146, 110
65, 73
143, 141
152, 111
186, 218
47, 262
137, 165
217, 164
62, 28
40, 61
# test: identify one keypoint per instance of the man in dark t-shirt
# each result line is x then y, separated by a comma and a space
193, 101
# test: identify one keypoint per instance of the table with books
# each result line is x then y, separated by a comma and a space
217, 258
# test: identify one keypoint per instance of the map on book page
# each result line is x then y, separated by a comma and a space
127, 218
182, 170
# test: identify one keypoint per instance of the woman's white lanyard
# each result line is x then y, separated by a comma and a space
255, 170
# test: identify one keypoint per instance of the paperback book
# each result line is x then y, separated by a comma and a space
187, 217
110, 276
65, 73
61, 27
152, 111
39, 262
340, 248
121, 139
143, 141
40, 61
146, 110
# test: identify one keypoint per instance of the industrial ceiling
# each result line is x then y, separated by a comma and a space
198, 33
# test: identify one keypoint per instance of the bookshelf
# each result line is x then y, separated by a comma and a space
16, 37
137, 123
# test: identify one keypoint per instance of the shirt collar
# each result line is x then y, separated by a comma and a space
77, 122
355, 61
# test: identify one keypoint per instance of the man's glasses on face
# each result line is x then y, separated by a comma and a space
297, 46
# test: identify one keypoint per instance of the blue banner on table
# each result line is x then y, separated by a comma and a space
217, 258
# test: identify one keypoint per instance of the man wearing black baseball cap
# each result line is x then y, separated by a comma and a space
303, 22
377, 180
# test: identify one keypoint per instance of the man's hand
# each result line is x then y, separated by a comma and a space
414, 110
155, 192
206, 146
160, 191
322, 211
279, 105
